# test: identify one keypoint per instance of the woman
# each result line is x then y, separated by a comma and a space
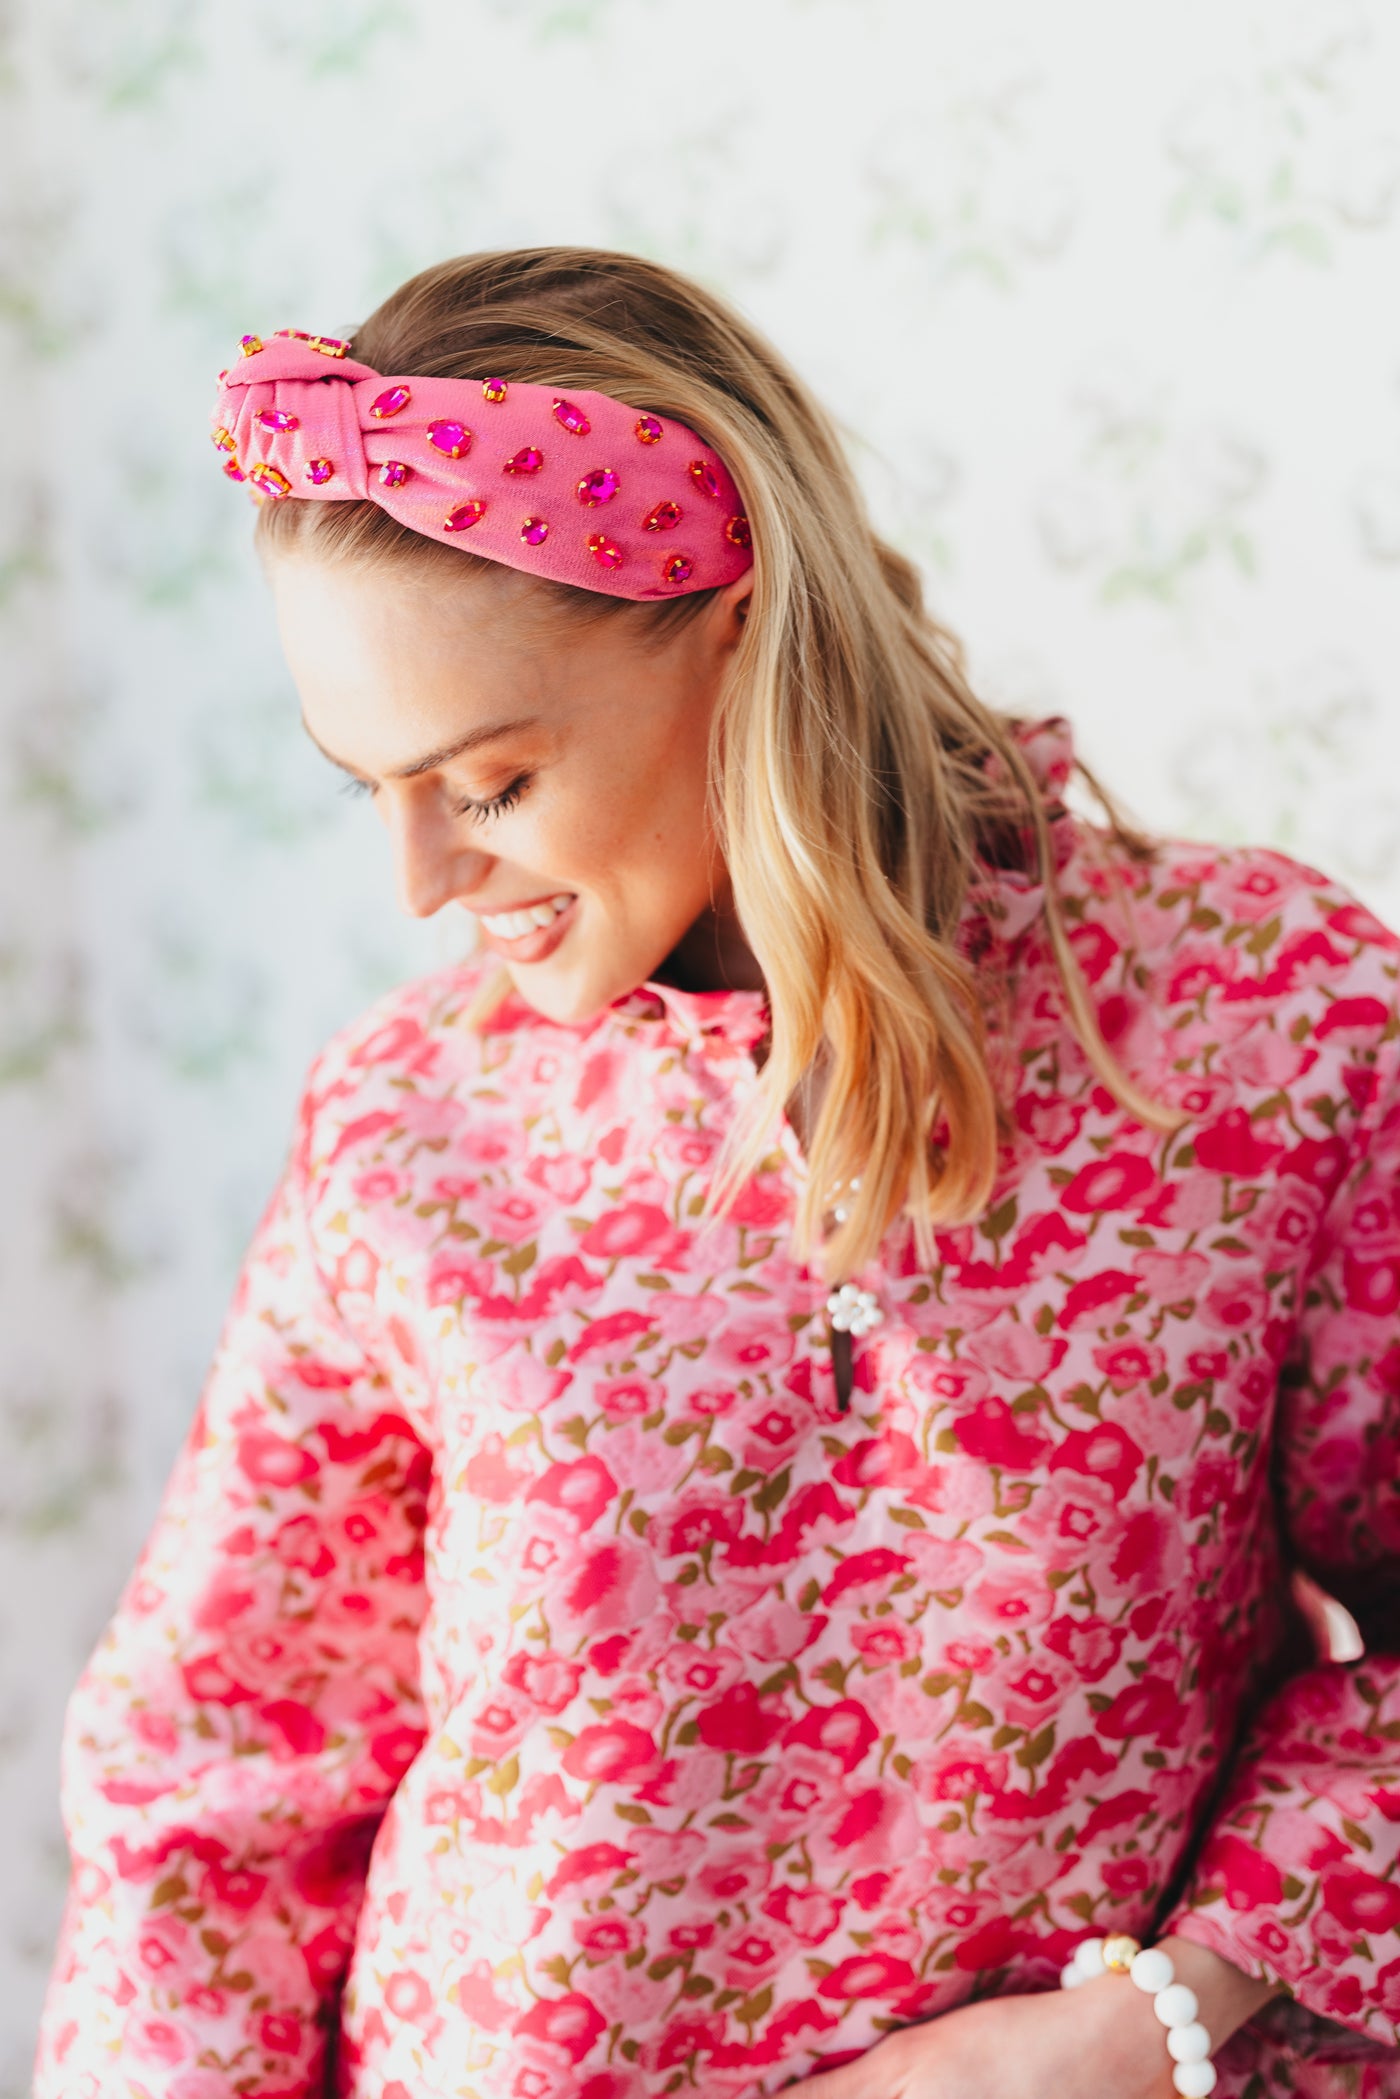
755, 1488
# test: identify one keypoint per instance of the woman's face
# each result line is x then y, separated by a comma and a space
598, 782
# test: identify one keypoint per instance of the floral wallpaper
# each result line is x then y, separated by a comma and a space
1103, 298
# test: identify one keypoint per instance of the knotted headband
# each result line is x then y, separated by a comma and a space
577, 487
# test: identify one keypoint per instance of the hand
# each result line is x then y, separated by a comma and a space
1100, 2041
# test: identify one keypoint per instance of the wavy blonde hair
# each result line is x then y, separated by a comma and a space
854, 777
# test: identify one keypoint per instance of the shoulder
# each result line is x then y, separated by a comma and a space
413, 1054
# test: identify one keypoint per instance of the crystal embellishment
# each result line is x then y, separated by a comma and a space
737, 531
465, 515
271, 478
493, 389
677, 568
534, 530
648, 430
604, 550
704, 476
390, 401
449, 436
663, 516
277, 419
318, 471
528, 460
571, 418
853, 1310
598, 487
393, 473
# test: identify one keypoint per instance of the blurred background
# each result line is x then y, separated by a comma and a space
1104, 298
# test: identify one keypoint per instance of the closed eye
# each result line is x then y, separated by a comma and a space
478, 811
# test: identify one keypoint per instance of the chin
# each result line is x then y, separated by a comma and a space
560, 996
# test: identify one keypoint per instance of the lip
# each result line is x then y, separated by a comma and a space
538, 942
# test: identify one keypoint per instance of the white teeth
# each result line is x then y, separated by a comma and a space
511, 924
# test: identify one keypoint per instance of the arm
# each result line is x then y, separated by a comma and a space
1298, 1882
236, 1737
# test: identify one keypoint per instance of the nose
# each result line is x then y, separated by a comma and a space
431, 864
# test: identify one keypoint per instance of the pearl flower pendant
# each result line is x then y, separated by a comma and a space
853, 1310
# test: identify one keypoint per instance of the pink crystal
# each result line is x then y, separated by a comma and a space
390, 401
277, 419
223, 439
234, 470
737, 531
393, 473
605, 550
250, 344
664, 518
526, 461
676, 568
450, 436
533, 531
464, 515
271, 478
648, 430
493, 389
319, 470
704, 476
598, 487
572, 418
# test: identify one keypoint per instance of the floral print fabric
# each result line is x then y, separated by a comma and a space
535, 1684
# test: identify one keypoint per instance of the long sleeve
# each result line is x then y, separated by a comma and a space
236, 1736
1298, 1880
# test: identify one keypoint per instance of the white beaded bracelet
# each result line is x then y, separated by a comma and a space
1176, 2006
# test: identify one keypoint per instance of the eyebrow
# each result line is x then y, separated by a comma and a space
490, 733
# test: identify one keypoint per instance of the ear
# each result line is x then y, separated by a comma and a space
730, 608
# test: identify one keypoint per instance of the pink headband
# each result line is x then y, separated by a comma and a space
582, 489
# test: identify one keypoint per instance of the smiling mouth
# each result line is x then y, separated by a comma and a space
514, 925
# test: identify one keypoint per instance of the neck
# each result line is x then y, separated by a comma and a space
712, 955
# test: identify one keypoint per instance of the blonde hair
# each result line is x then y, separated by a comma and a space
854, 776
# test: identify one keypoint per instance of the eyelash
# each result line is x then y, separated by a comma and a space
478, 811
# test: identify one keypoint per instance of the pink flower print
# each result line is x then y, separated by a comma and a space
1255, 887
612, 1750
771, 1629
1151, 1707
572, 2023
581, 1487
751, 1955
522, 1384
735, 1876
624, 1398
737, 1721
490, 1474
604, 1585
456, 1275
746, 1346
1031, 1693
993, 1433
607, 1934
872, 1569
565, 1178
679, 1317
1172, 1278
1104, 1452
700, 1517
1235, 1306
810, 1914
875, 1823
1051, 1122
1012, 1349
356, 1271
269, 1460
869, 1974
1008, 1601
1129, 1363
636, 1231
499, 1726
844, 1731
379, 1185
709, 1399
1119, 1182
156, 2041
549, 1681
1263, 1057
1096, 1301
1089, 1645
701, 1671
884, 1640
1237, 1145
515, 1216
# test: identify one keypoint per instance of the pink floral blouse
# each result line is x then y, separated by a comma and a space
536, 1686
